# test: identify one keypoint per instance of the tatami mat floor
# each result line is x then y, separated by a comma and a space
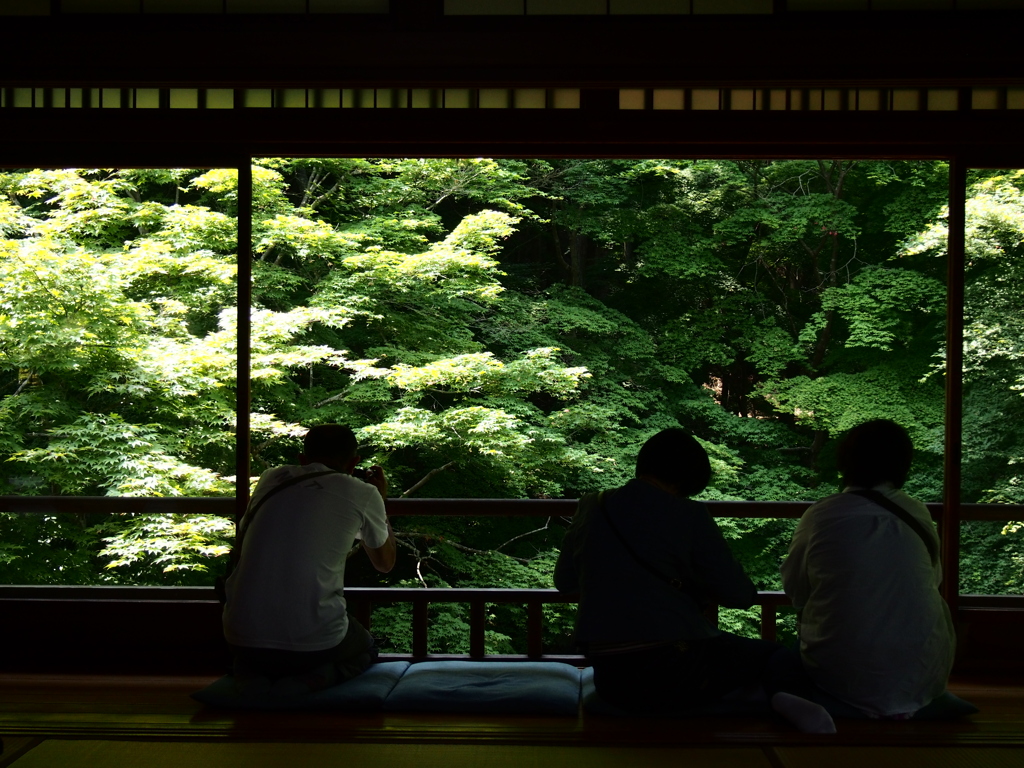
122, 754
63, 753
150, 722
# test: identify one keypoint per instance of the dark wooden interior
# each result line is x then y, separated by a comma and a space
60, 653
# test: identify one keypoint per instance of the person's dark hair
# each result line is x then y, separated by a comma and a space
330, 441
675, 457
875, 452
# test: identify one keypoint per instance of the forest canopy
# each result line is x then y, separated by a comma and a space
521, 325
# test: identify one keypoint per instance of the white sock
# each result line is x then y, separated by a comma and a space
807, 716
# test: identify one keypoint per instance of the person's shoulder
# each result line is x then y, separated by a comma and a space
637, 499
664, 508
329, 479
831, 501
845, 501
275, 476
909, 503
691, 511
692, 505
902, 497
853, 501
287, 471
852, 509
591, 499
629, 494
351, 486
351, 495
835, 508
361, 493
641, 492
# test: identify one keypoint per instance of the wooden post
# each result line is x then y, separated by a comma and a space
477, 623
534, 629
243, 347
361, 609
420, 623
950, 523
768, 614
711, 614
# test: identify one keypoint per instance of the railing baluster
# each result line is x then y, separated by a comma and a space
768, 613
534, 629
361, 609
477, 624
28, 600
419, 626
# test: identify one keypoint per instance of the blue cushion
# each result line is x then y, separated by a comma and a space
365, 693
593, 704
488, 687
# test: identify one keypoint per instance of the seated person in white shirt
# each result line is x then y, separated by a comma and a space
874, 631
285, 612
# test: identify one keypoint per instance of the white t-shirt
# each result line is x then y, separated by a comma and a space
287, 591
874, 630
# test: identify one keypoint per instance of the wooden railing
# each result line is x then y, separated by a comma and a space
362, 600
442, 507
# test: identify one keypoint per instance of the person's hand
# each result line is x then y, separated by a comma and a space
375, 476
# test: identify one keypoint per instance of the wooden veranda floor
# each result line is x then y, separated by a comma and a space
128, 721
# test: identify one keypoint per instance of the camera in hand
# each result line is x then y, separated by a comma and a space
362, 473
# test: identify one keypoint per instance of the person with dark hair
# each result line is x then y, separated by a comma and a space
863, 573
648, 562
284, 613
876, 453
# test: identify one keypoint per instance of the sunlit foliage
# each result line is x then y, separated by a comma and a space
498, 328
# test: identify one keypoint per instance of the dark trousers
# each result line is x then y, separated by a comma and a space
683, 674
352, 656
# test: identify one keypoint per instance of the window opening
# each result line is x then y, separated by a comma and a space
118, 327
508, 317
786, 307
991, 553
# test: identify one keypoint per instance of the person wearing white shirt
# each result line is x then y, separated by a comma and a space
285, 612
874, 631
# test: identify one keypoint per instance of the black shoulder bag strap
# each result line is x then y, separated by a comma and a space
915, 525
674, 583
220, 584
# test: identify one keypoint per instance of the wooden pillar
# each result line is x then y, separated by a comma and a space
950, 522
768, 620
243, 343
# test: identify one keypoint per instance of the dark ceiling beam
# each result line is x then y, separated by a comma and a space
211, 137
594, 52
